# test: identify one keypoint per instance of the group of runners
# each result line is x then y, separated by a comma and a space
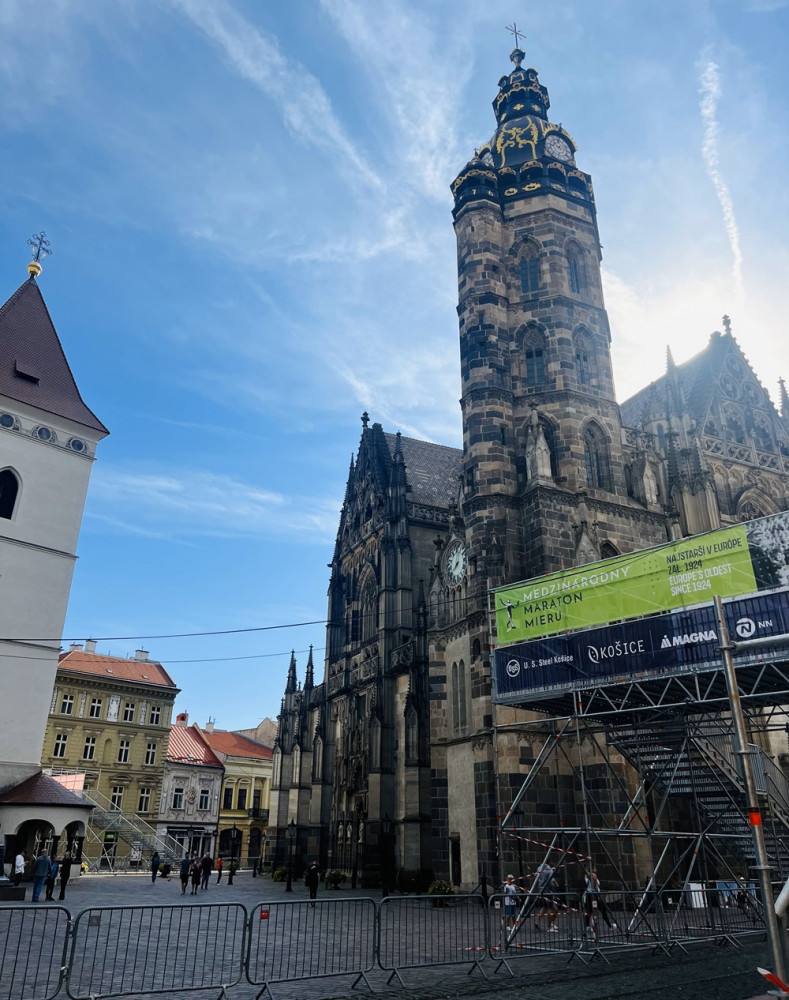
542, 901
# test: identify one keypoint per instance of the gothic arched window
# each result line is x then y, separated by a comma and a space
9, 489
459, 701
583, 359
369, 611
596, 458
576, 276
534, 356
530, 273
608, 550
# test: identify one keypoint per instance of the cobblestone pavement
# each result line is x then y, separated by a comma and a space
707, 972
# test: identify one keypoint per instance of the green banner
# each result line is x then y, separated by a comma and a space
681, 574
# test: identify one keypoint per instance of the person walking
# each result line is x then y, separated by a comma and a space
155, 861
593, 901
206, 867
40, 873
19, 867
312, 879
510, 891
197, 874
65, 873
545, 888
218, 870
183, 872
49, 885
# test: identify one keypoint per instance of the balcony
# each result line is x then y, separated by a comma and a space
261, 814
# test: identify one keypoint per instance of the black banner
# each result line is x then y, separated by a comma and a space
633, 649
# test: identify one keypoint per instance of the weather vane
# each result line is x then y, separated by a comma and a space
513, 30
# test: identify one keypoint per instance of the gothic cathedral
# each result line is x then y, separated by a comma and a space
395, 766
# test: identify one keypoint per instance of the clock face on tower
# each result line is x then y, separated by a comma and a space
556, 146
456, 562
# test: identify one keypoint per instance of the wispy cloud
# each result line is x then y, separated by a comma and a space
304, 105
190, 503
710, 94
420, 75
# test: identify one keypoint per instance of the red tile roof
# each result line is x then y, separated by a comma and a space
236, 746
186, 747
41, 790
149, 672
29, 344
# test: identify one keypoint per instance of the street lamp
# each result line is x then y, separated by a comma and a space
386, 826
189, 835
233, 835
291, 832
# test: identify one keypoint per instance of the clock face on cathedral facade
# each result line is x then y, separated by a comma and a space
456, 562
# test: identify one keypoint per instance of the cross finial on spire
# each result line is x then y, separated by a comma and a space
41, 248
513, 30
365, 418
727, 325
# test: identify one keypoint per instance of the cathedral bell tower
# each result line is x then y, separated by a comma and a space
541, 428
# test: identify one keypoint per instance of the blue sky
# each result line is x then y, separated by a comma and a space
250, 211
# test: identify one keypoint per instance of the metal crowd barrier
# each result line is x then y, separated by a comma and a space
708, 915
33, 942
300, 939
417, 931
121, 950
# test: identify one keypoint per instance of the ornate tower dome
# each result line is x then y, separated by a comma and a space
527, 153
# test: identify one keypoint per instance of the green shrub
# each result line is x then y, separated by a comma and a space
279, 874
333, 878
440, 887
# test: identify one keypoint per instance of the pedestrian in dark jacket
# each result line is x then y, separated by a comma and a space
49, 885
183, 871
206, 867
197, 874
40, 873
312, 879
155, 866
65, 873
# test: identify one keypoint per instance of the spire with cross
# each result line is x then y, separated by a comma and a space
517, 55
41, 248
727, 325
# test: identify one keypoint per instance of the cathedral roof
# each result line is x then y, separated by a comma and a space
33, 367
719, 367
433, 471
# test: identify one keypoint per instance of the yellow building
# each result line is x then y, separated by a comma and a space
246, 794
109, 720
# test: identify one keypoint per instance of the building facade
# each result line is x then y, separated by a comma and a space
191, 790
48, 441
396, 762
246, 794
110, 720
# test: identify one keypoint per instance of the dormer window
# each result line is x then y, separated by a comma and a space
25, 371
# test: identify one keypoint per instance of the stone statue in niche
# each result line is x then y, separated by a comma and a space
538, 454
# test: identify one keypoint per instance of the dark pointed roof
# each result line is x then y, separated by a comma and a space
42, 790
697, 379
33, 367
432, 470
